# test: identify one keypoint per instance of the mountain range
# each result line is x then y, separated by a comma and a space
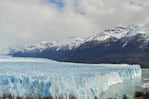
114, 45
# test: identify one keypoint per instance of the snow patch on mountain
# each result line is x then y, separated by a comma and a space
117, 32
124, 33
67, 44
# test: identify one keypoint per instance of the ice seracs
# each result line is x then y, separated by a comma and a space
61, 80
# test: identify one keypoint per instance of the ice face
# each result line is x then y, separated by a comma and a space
36, 77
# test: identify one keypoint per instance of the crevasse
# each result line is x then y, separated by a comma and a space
61, 80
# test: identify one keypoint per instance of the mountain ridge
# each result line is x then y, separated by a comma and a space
115, 45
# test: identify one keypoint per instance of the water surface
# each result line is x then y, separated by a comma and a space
128, 87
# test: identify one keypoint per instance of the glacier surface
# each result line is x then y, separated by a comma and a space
40, 77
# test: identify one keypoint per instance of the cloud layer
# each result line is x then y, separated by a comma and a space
23, 22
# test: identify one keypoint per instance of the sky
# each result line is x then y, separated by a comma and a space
25, 22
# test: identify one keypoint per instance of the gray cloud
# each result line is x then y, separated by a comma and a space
23, 22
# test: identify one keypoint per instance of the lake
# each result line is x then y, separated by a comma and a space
128, 87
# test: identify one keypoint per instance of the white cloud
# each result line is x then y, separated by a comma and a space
24, 22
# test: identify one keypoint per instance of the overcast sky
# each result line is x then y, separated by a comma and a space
24, 22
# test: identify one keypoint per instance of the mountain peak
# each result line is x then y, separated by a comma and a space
120, 32
116, 32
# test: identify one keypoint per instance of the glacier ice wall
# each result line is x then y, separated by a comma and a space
35, 77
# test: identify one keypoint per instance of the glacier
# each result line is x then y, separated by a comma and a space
29, 77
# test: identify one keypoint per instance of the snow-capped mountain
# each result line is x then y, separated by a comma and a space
115, 45
67, 44
47, 49
117, 33
120, 32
